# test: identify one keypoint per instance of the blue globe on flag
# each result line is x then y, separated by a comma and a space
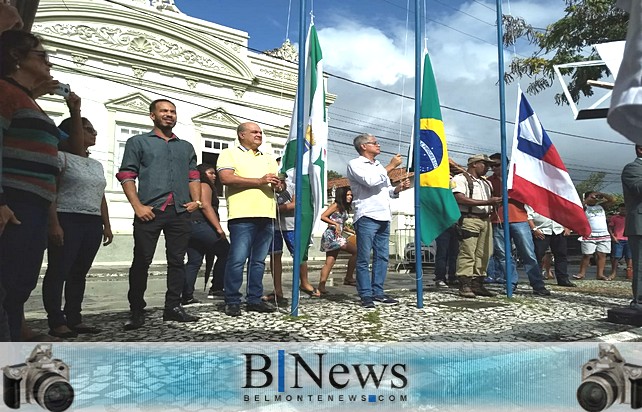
431, 151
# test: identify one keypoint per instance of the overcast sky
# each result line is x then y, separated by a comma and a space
371, 42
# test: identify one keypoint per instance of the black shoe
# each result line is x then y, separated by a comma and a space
63, 335
233, 310
367, 303
452, 283
136, 320
385, 299
178, 314
261, 307
541, 292
190, 301
85, 329
213, 294
566, 283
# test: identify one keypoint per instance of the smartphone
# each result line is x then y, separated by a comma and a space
62, 90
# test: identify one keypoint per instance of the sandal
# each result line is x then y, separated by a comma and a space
314, 293
350, 282
602, 278
272, 298
578, 276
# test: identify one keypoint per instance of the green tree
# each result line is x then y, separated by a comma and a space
594, 183
334, 175
568, 40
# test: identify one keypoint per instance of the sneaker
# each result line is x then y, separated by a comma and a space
261, 307
541, 292
488, 279
233, 310
190, 301
213, 294
386, 300
367, 303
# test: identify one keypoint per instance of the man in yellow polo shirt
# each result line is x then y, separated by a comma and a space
251, 179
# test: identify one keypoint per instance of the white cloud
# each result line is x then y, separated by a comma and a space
365, 54
466, 70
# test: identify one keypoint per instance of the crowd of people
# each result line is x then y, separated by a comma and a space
472, 253
52, 197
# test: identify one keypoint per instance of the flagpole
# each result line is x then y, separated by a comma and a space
502, 125
298, 191
416, 134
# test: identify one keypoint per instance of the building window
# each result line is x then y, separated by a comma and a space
278, 151
123, 133
212, 146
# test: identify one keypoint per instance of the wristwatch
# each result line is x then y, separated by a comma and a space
199, 203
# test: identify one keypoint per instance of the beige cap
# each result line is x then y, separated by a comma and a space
480, 158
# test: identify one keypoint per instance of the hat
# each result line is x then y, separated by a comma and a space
480, 158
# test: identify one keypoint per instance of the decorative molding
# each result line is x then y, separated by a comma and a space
239, 92
139, 72
286, 52
134, 41
136, 103
191, 83
279, 74
79, 59
165, 5
233, 46
217, 117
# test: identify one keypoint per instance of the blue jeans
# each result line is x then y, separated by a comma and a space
446, 255
22, 248
496, 272
249, 241
373, 235
522, 236
203, 240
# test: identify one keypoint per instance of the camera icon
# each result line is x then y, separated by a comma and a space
608, 379
41, 379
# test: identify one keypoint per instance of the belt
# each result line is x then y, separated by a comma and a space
483, 216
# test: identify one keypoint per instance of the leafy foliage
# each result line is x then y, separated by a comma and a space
334, 174
594, 183
568, 40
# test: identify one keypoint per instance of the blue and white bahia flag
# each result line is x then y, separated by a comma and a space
537, 176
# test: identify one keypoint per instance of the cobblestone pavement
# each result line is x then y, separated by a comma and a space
569, 314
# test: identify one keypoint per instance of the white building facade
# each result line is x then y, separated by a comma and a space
120, 55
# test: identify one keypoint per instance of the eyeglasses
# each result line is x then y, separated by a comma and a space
374, 143
90, 129
42, 54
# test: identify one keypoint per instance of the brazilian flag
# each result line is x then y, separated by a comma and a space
438, 209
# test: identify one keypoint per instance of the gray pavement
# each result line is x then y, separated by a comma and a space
569, 314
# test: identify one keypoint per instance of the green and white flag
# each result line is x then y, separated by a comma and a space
316, 142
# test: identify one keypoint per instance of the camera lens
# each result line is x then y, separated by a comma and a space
53, 392
597, 392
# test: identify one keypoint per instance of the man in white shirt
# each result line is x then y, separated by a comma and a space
372, 190
548, 233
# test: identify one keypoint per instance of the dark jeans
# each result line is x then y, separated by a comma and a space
446, 255
203, 241
68, 266
558, 246
176, 229
22, 248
